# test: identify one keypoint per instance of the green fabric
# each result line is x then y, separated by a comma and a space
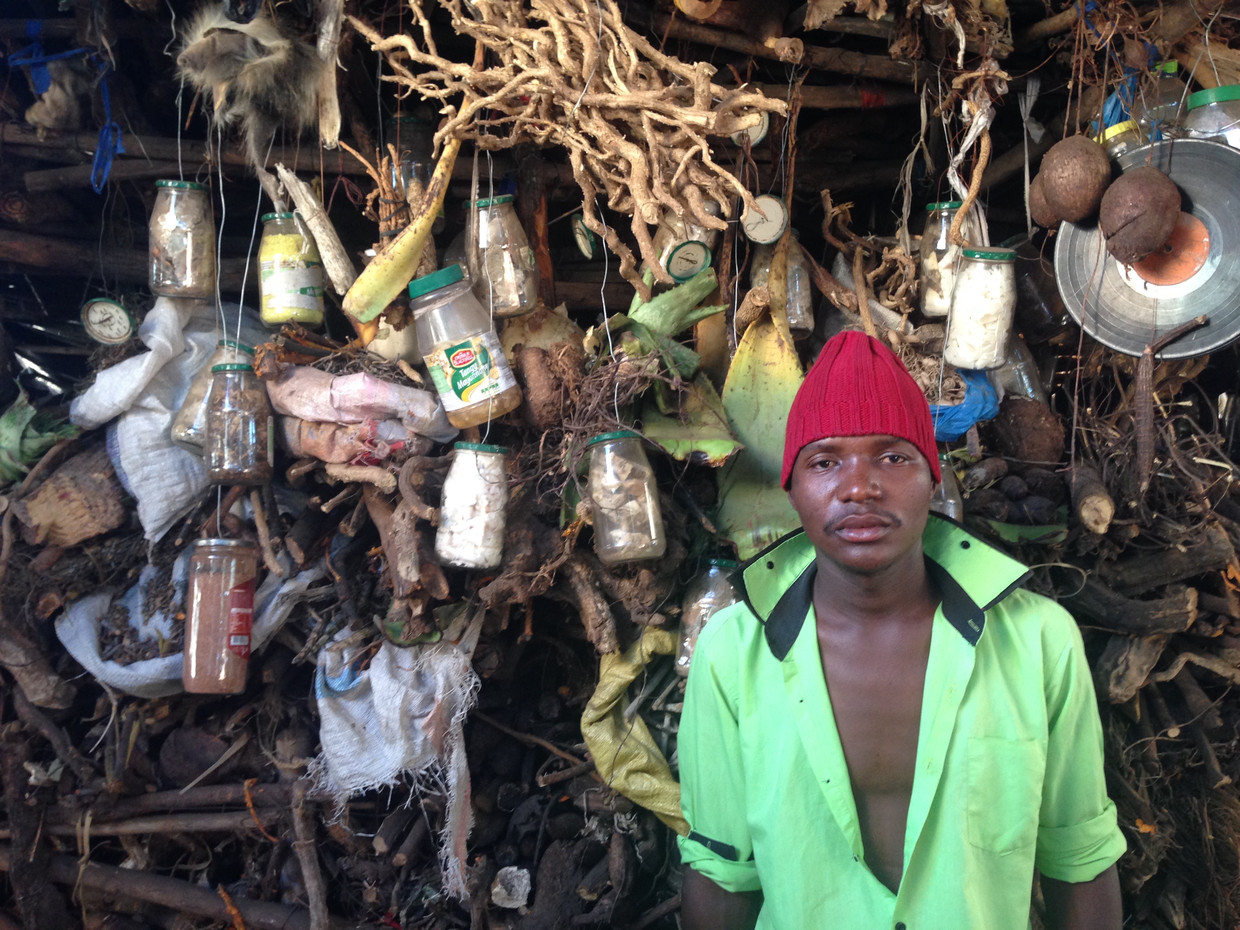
1009, 763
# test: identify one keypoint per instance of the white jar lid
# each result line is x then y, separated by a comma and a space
106, 321
767, 223
687, 259
755, 133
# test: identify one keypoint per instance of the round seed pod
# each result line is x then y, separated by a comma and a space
1139, 212
1074, 175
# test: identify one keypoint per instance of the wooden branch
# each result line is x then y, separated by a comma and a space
214, 822
1137, 574
114, 884
1091, 501
23, 659
1198, 702
1125, 665
58, 179
1103, 608
841, 97
308, 857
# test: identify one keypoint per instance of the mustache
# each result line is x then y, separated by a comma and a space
886, 515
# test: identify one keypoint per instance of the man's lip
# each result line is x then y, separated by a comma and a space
861, 521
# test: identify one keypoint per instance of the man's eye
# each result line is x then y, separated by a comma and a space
896, 458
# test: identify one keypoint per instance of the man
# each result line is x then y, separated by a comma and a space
887, 732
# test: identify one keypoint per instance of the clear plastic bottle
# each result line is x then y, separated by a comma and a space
983, 304
473, 509
414, 141
182, 241
461, 349
800, 303
704, 596
947, 498
502, 269
189, 426
1019, 375
628, 523
1215, 114
219, 616
1121, 138
939, 257
1040, 311
290, 273
239, 437
1159, 107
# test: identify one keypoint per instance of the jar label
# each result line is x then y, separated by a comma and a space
469, 371
240, 618
289, 287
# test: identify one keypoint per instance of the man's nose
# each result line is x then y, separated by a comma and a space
860, 479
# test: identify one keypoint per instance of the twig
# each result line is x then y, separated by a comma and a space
307, 855
264, 535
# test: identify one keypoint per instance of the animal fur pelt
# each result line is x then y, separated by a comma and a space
259, 79
63, 105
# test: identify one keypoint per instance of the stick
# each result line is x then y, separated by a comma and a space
42, 724
307, 856
1091, 501
183, 897
381, 478
264, 535
228, 822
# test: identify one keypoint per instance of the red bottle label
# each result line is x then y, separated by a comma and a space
241, 618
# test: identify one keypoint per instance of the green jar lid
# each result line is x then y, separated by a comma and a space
435, 280
618, 434
1171, 66
231, 366
494, 201
481, 447
277, 216
726, 564
990, 255
182, 185
1214, 95
232, 344
945, 205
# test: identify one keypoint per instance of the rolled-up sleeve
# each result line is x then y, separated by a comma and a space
712, 782
1078, 836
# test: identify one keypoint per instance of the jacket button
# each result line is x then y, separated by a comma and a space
901, 926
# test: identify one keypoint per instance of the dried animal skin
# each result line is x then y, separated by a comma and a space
259, 79
59, 109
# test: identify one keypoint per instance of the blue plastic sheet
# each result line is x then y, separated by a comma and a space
980, 403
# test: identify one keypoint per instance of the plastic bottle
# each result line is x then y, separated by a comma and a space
628, 523
461, 349
1215, 114
983, 304
947, 498
1159, 108
182, 241
290, 273
939, 257
473, 509
189, 426
239, 436
800, 293
704, 596
219, 616
502, 269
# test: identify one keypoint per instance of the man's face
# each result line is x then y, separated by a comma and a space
864, 500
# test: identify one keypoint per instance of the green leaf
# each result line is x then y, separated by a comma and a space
25, 434
698, 432
676, 309
762, 381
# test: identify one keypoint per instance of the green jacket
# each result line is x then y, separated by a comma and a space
1008, 774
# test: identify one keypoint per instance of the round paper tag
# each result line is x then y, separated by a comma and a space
687, 259
587, 242
755, 133
107, 321
768, 221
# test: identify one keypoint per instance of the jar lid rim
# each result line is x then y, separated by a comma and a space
992, 255
493, 201
1111, 132
615, 434
181, 185
222, 541
723, 563
1221, 94
278, 216
945, 205
419, 287
232, 343
232, 366
482, 447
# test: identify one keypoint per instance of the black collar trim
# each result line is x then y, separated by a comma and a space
788, 615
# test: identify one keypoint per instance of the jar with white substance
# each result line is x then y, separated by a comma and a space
628, 523
939, 256
983, 303
502, 267
182, 241
473, 510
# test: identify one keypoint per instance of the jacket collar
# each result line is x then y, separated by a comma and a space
971, 574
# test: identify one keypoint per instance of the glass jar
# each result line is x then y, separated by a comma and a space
947, 499
684, 247
461, 350
290, 273
1121, 138
800, 295
704, 596
239, 437
501, 262
628, 524
1019, 375
1158, 109
983, 303
414, 141
182, 241
219, 616
189, 426
472, 511
1040, 311
1215, 114
939, 256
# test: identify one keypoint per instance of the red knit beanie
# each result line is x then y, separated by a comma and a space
858, 387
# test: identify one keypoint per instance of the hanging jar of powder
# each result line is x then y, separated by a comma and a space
472, 512
983, 304
219, 616
704, 596
502, 269
290, 273
189, 426
939, 256
628, 523
181, 241
239, 437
